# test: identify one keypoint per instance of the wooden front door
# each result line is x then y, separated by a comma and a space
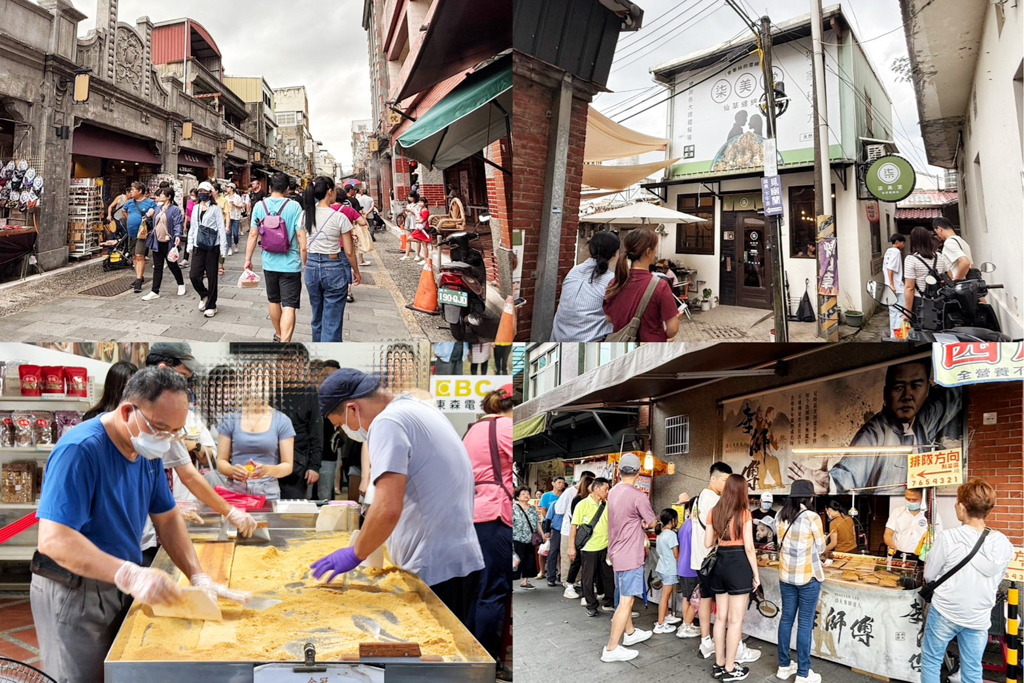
745, 271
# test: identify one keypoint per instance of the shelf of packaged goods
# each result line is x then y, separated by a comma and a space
79, 402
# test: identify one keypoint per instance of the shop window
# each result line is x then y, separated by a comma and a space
888, 226
869, 115
677, 435
875, 228
544, 371
696, 238
803, 227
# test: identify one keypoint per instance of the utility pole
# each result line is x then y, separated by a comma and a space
779, 304
827, 246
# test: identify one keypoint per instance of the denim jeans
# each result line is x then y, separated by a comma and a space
327, 281
325, 485
805, 600
938, 631
234, 230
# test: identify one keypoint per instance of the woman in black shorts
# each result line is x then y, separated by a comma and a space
733, 578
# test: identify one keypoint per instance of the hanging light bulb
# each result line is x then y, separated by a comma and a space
649, 462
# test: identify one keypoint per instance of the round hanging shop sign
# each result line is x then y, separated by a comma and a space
891, 178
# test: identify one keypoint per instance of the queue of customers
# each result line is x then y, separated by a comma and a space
706, 546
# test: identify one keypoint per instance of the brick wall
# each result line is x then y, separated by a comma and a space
534, 102
996, 451
499, 194
434, 195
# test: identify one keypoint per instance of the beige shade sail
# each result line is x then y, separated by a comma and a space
607, 140
621, 177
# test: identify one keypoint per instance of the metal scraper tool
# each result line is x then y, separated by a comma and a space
258, 604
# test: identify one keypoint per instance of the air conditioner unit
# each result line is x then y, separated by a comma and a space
875, 152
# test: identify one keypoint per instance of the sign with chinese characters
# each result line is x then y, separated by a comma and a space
718, 126
1015, 572
978, 362
936, 468
891, 178
863, 409
876, 630
871, 211
771, 195
771, 161
828, 259
464, 393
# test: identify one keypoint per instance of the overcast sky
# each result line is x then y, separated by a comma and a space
676, 28
320, 45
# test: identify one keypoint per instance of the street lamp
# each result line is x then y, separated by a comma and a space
186, 130
82, 83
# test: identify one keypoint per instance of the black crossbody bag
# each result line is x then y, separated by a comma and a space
584, 532
927, 591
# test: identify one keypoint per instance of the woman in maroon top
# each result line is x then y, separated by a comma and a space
660, 321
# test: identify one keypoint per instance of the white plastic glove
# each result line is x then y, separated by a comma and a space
215, 590
148, 585
242, 521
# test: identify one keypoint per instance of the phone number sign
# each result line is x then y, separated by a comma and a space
937, 468
1015, 572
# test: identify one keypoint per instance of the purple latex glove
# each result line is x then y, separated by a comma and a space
340, 562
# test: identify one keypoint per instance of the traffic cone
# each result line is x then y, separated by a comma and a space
426, 293
405, 240
507, 326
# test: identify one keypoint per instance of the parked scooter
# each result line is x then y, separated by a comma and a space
950, 311
462, 292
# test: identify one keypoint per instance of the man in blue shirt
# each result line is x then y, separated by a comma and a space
103, 479
554, 536
137, 208
282, 272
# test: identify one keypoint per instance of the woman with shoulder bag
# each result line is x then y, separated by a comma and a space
489, 444
207, 249
524, 533
802, 541
964, 569
732, 578
330, 265
924, 260
168, 225
640, 306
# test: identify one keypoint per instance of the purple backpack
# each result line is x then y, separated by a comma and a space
273, 231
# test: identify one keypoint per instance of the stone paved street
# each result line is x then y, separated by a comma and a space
54, 308
733, 323
556, 641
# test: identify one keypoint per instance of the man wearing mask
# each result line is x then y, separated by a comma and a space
298, 401
207, 249
907, 525
423, 480
764, 522
103, 480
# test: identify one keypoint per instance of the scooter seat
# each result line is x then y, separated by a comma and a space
456, 265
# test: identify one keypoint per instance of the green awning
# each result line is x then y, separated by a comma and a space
528, 428
472, 116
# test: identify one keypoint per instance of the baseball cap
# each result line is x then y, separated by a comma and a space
179, 350
345, 385
767, 498
206, 186
507, 391
629, 464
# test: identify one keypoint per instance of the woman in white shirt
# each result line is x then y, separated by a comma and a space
924, 260
329, 270
580, 316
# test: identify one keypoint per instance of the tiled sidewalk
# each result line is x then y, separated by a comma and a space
18, 638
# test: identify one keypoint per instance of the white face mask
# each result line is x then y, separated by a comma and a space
361, 435
147, 445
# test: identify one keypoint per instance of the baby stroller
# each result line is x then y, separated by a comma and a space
119, 255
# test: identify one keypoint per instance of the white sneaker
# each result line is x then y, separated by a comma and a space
202, 304
685, 631
673, 620
664, 628
210, 312
707, 647
570, 593
637, 636
404, 258
785, 672
619, 654
583, 601
744, 654
606, 608
230, 251
181, 290
151, 296
811, 677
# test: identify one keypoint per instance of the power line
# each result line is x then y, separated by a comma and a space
642, 36
624, 105
676, 94
656, 19
693, 21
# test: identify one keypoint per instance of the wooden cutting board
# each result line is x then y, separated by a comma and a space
215, 559
195, 605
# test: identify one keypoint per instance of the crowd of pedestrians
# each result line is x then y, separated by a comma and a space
596, 541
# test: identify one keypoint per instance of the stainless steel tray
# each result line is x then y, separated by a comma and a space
479, 666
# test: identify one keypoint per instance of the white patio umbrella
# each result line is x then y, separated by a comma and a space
641, 213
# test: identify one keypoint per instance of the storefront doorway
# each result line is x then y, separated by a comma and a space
745, 272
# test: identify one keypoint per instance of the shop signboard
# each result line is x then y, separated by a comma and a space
872, 629
935, 468
828, 430
978, 362
1015, 572
643, 483
464, 393
828, 258
718, 125
771, 195
891, 178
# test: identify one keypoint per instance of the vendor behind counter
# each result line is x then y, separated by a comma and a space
908, 524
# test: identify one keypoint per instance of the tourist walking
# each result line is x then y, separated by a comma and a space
923, 261
580, 316
139, 210
207, 248
637, 293
235, 204
168, 226
802, 541
329, 264
277, 228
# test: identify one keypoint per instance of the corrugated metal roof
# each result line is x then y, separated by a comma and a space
918, 214
929, 198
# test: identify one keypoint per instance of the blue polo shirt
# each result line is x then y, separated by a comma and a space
547, 501
293, 217
136, 212
92, 488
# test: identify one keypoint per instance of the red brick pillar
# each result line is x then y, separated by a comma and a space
499, 195
995, 452
536, 91
400, 170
